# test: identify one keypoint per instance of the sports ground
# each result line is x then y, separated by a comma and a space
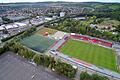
91, 53
37, 42
43, 30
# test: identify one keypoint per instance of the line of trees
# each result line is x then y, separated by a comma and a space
58, 66
83, 27
86, 76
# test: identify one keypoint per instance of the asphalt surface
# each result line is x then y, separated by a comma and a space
13, 67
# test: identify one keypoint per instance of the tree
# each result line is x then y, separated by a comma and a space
85, 76
98, 77
6, 20
65, 69
118, 29
2, 50
46, 61
36, 59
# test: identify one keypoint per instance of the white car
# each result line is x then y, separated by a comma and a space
53, 52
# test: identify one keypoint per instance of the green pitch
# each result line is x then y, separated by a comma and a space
37, 42
91, 53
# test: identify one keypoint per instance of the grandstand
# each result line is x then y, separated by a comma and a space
59, 35
92, 39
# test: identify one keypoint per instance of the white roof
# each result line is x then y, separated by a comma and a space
20, 24
14, 25
59, 35
9, 26
72, 33
1, 27
47, 18
79, 18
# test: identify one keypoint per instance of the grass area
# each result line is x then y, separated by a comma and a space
37, 42
91, 53
112, 22
43, 30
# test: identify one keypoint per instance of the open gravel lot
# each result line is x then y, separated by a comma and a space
13, 67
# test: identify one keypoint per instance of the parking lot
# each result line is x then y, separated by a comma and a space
13, 67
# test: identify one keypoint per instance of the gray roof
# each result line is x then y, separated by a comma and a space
1, 19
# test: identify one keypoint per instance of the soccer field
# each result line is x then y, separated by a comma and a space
37, 42
91, 53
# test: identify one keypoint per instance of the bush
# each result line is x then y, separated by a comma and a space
98, 77
37, 59
86, 76
65, 69
2, 50
47, 61
18, 48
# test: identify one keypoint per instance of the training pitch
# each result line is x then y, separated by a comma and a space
91, 53
43, 30
37, 42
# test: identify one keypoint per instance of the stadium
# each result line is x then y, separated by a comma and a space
88, 50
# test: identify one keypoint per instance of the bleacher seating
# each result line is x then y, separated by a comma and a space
93, 40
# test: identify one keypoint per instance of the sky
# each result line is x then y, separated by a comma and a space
8, 1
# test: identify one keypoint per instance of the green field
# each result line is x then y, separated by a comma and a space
91, 53
37, 42
43, 30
